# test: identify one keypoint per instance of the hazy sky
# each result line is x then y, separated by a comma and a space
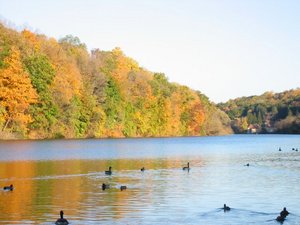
224, 48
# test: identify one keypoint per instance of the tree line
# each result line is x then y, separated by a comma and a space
268, 113
58, 89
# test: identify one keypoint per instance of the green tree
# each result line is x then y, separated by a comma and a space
113, 105
44, 112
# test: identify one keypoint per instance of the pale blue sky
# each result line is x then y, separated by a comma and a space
224, 48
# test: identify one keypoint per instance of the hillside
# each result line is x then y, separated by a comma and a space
267, 113
57, 89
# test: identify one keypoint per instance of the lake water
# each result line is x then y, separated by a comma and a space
55, 175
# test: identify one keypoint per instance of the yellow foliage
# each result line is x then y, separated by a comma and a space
16, 90
124, 65
105, 93
31, 37
67, 83
116, 132
198, 117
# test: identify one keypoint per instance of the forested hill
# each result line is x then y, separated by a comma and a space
57, 89
267, 113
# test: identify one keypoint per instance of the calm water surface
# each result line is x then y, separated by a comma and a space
67, 174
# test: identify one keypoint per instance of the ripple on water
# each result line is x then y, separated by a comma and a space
164, 193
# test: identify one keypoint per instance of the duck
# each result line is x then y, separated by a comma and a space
283, 215
280, 218
143, 169
247, 164
284, 212
108, 172
226, 208
122, 188
61, 220
279, 149
105, 186
8, 188
186, 167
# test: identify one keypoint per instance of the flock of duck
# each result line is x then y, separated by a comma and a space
63, 221
280, 218
293, 149
283, 214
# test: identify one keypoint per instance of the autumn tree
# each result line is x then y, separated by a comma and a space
64, 90
197, 119
32, 39
44, 112
16, 92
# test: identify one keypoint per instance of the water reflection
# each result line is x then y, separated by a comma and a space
164, 193
43, 188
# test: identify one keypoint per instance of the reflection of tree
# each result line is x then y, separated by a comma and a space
15, 205
44, 188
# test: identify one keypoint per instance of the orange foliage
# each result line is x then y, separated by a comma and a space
116, 132
198, 117
124, 65
31, 37
137, 86
67, 83
16, 90
102, 94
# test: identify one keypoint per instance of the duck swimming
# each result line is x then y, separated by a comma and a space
105, 186
8, 188
122, 188
61, 220
143, 169
283, 215
108, 172
280, 218
186, 167
284, 212
226, 208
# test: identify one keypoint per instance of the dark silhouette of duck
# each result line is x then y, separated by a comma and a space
143, 169
226, 208
108, 172
123, 188
8, 188
105, 186
279, 149
280, 219
296, 150
284, 212
186, 167
61, 220
247, 164
283, 215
